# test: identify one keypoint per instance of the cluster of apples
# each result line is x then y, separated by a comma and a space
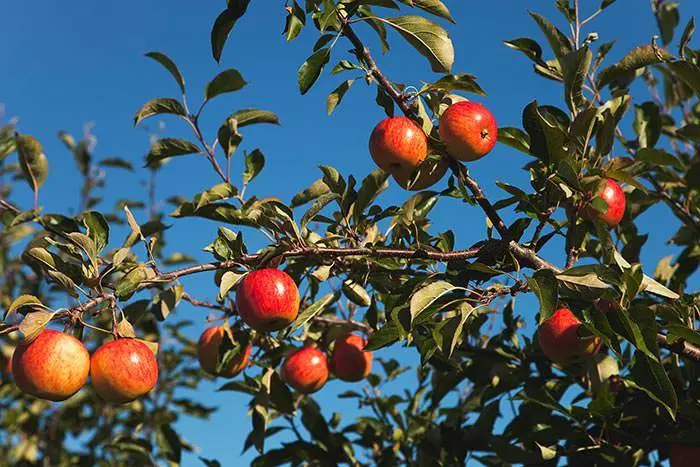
55, 365
469, 132
399, 146
268, 300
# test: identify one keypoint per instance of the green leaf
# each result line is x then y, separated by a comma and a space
85, 243
169, 443
320, 203
313, 310
426, 296
117, 162
386, 335
316, 189
311, 69
650, 376
575, 66
129, 283
165, 302
226, 81
169, 147
254, 163
528, 46
638, 58
224, 24
434, 7
336, 96
667, 18
459, 82
32, 160
228, 281
356, 293
686, 36
296, 19
515, 138
33, 324
229, 137
429, 38
372, 185
545, 285
656, 157
169, 65
688, 72
159, 106
448, 333
560, 44
246, 117
216, 193
29, 301
647, 124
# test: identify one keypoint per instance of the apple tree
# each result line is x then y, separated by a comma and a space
610, 375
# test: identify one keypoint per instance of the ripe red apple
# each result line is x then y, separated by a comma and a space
468, 130
267, 300
615, 198
684, 456
208, 353
305, 369
399, 146
348, 361
559, 340
53, 366
123, 370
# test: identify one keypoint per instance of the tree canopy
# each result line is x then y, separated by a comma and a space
621, 387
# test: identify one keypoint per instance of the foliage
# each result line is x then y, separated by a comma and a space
402, 282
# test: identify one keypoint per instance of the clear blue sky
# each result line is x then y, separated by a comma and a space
64, 64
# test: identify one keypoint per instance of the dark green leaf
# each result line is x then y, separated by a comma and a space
159, 106
224, 24
429, 38
311, 69
226, 81
169, 65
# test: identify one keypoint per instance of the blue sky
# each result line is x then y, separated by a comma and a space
68, 63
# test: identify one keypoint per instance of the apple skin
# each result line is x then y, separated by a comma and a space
614, 196
430, 174
123, 370
684, 456
53, 366
305, 369
208, 353
348, 361
468, 130
397, 145
267, 300
559, 340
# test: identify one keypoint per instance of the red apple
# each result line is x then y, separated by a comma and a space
53, 366
684, 456
305, 369
349, 361
559, 339
208, 353
267, 300
399, 146
615, 198
468, 130
123, 370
